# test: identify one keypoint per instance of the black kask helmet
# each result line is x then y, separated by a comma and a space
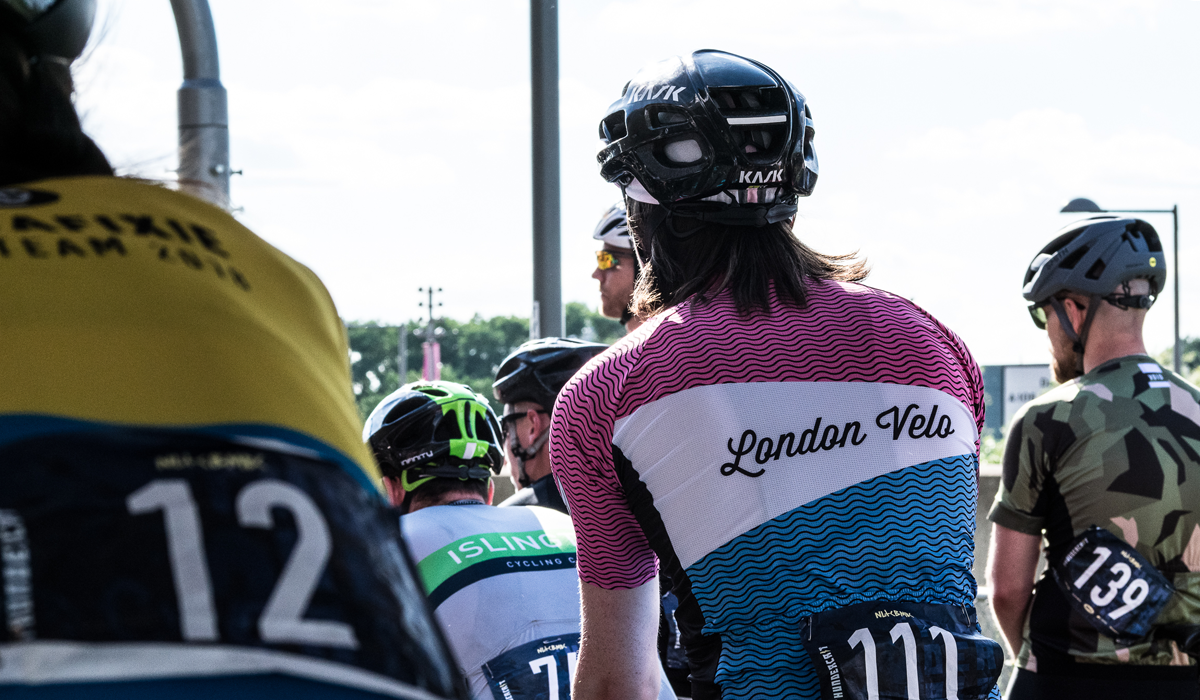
714, 136
50, 28
434, 429
537, 370
1095, 255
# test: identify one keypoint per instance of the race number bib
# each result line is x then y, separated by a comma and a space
1112, 586
539, 670
151, 535
902, 651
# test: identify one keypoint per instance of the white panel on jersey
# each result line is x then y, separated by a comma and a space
723, 459
36, 663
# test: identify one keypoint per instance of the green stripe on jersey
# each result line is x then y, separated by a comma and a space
468, 551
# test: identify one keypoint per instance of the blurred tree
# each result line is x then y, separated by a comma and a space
585, 323
471, 350
471, 354
1190, 357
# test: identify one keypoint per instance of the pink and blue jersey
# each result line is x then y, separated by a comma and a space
777, 464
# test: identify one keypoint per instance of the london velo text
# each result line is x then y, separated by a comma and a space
833, 436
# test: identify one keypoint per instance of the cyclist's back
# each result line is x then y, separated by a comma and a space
814, 459
185, 509
503, 586
798, 450
502, 581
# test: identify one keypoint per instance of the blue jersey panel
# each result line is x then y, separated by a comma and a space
905, 535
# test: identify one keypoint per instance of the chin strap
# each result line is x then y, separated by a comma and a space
526, 453
406, 504
1079, 340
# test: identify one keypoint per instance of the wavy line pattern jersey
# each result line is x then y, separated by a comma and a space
778, 464
186, 508
1119, 448
504, 587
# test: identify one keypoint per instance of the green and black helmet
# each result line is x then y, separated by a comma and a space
426, 430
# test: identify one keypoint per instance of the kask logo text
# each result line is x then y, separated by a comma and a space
759, 177
655, 92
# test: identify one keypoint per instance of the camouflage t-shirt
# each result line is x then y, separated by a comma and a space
1118, 448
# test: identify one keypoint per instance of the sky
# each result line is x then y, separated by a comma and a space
386, 143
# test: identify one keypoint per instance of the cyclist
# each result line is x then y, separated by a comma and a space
186, 509
1102, 474
502, 581
616, 267
798, 450
527, 384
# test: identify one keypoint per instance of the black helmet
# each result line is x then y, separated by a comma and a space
1095, 255
425, 430
538, 369
58, 28
714, 136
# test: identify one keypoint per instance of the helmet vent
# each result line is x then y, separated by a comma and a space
667, 117
683, 151
483, 431
757, 121
447, 427
1096, 270
404, 408
1073, 259
613, 127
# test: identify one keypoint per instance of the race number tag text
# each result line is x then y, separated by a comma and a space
902, 651
539, 670
1110, 585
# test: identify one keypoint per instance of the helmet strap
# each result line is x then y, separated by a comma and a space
406, 504
1079, 339
526, 453
1128, 300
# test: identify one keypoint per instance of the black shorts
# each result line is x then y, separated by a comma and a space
1027, 685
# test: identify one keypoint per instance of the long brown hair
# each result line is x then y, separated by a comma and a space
714, 257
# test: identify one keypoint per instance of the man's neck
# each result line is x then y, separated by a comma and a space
537, 467
632, 324
1102, 348
448, 498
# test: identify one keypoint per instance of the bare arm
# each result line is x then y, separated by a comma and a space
618, 656
1012, 563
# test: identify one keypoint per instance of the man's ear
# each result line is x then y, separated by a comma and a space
395, 492
539, 421
491, 492
1076, 312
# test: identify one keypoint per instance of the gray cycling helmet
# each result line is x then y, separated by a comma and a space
538, 369
1093, 257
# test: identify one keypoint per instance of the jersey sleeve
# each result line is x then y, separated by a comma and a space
1019, 504
971, 374
613, 550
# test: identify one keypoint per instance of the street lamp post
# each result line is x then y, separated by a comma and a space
203, 113
547, 318
1081, 205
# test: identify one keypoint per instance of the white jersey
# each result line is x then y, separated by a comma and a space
504, 589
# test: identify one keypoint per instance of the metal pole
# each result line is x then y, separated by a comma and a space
547, 318
203, 110
1178, 359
